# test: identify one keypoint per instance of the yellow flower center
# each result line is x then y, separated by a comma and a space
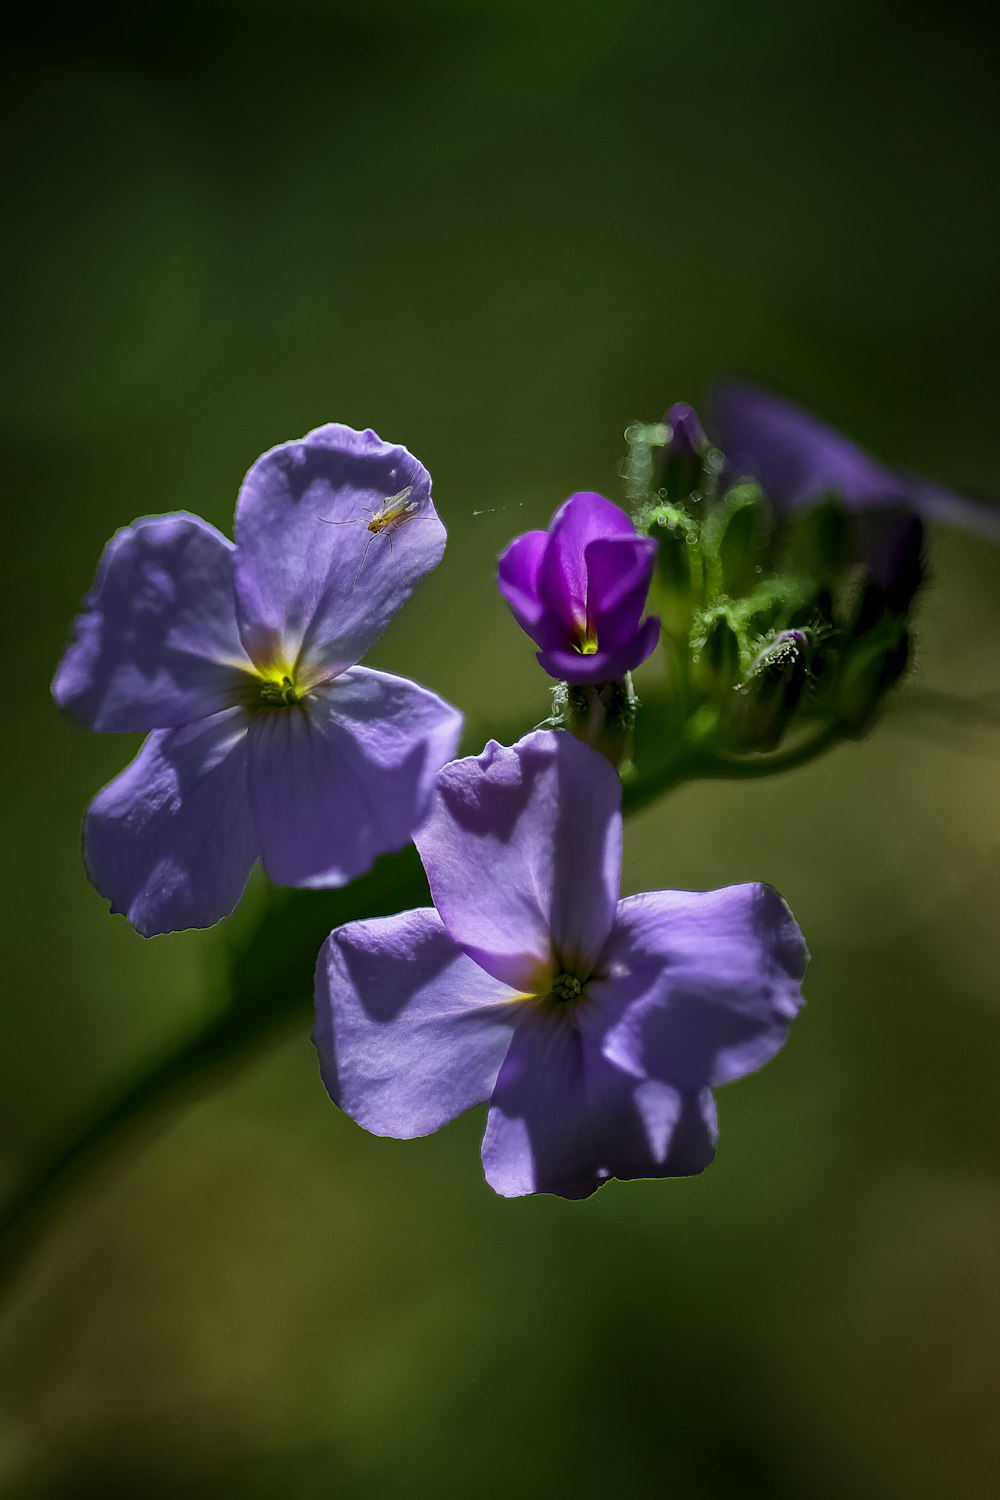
279, 692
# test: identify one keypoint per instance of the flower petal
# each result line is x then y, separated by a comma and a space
346, 774
584, 518
517, 576
170, 842
606, 665
711, 980
315, 586
523, 854
799, 459
619, 572
410, 1032
563, 1120
157, 644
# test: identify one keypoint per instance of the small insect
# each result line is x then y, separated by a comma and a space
393, 513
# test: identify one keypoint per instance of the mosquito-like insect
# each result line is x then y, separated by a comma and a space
393, 513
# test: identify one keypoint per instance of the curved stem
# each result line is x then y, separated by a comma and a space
702, 765
733, 769
272, 978
228, 1038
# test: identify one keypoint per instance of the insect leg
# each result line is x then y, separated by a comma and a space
362, 562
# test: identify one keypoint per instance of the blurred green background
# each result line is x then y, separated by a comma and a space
497, 233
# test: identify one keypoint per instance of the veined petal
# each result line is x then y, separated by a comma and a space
563, 1120
702, 986
316, 587
346, 774
522, 850
157, 643
410, 1032
170, 842
584, 518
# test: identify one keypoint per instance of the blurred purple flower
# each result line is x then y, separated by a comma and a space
267, 740
595, 1027
799, 460
579, 590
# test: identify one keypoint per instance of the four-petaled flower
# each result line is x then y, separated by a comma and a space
596, 1027
579, 590
267, 740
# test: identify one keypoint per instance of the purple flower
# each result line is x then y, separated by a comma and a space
267, 741
799, 460
579, 590
595, 1027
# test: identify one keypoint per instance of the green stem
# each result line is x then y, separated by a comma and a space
698, 764
272, 976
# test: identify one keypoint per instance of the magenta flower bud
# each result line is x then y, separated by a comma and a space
682, 459
579, 590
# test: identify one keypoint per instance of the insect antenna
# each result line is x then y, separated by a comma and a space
353, 521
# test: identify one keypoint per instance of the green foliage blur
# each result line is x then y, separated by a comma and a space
498, 233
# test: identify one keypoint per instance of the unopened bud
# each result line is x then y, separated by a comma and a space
819, 543
645, 440
872, 665
602, 716
681, 461
769, 693
737, 534
716, 659
903, 565
678, 586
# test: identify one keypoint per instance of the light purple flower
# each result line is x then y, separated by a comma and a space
799, 460
579, 590
267, 741
596, 1027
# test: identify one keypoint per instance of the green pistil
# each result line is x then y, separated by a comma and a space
586, 642
566, 987
279, 694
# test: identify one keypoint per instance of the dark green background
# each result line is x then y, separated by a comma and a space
497, 233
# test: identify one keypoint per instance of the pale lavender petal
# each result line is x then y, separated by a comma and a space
157, 644
523, 854
584, 518
564, 1120
605, 665
701, 986
315, 587
170, 842
971, 512
346, 774
410, 1032
799, 459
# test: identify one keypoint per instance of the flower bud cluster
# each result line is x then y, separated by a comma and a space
776, 624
